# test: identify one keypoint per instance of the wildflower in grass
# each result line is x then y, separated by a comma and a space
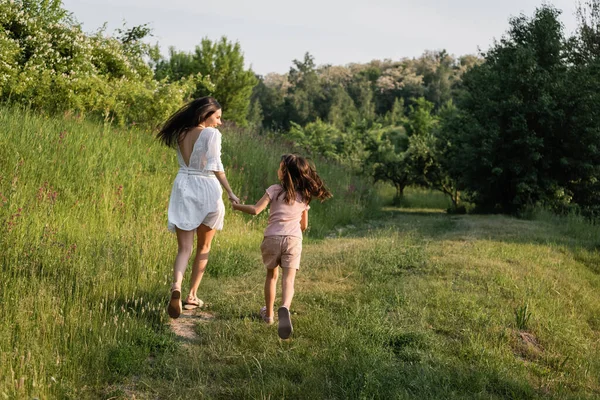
12, 221
47, 192
62, 136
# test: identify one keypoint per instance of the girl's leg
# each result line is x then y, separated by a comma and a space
205, 237
287, 293
284, 328
270, 290
185, 244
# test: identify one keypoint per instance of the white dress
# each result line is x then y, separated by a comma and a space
196, 197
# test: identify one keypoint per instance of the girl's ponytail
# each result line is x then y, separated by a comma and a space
298, 175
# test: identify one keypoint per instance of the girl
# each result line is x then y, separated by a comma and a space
195, 204
282, 243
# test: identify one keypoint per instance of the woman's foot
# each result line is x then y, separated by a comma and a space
263, 314
192, 302
174, 308
285, 323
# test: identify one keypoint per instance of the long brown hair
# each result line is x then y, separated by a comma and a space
298, 175
189, 116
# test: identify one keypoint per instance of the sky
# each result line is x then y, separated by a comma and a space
273, 33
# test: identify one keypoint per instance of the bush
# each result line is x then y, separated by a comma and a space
49, 64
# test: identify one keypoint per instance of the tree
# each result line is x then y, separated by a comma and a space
304, 93
342, 111
445, 172
269, 94
386, 160
509, 137
403, 154
587, 41
580, 100
437, 69
223, 63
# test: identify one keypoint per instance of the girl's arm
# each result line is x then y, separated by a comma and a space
304, 220
255, 209
223, 180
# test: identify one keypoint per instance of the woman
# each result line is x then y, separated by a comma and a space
196, 204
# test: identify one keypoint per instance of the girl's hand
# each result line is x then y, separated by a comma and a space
233, 198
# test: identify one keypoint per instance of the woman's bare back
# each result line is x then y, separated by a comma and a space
186, 146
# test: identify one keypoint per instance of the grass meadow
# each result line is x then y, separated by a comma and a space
402, 302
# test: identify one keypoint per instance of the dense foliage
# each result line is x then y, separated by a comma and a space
48, 63
526, 131
511, 128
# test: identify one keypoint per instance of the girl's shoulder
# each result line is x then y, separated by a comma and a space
274, 190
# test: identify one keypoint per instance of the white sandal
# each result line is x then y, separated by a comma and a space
191, 303
263, 314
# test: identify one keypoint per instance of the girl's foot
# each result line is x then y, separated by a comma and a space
174, 308
263, 314
285, 323
192, 302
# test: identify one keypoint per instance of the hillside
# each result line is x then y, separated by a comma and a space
402, 302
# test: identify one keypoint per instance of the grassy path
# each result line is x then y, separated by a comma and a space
419, 305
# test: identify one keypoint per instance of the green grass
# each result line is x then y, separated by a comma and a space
407, 303
411, 306
85, 255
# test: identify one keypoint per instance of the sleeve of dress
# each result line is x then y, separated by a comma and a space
213, 153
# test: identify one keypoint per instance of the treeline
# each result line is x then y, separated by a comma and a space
514, 127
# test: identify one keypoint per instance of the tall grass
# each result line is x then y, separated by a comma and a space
415, 304
85, 255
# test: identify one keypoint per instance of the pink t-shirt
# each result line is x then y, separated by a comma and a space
284, 218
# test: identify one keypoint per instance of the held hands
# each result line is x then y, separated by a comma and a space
233, 198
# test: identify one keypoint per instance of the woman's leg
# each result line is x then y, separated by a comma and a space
287, 292
205, 237
270, 290
185, 244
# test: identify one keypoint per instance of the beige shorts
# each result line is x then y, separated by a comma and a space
284, 251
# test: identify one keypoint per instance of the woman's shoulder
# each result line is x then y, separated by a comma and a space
211, 131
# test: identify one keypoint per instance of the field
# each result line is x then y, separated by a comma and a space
391, 302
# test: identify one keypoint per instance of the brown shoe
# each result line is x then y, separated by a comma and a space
174, 308
285, 323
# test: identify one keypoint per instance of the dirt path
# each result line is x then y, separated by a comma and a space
184, 326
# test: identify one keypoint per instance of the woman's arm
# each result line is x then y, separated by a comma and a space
255, 209
304, 220
223, 180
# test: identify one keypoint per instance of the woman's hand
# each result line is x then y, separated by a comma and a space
233, 198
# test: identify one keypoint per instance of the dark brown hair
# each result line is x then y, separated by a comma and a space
298, 175
189, 116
